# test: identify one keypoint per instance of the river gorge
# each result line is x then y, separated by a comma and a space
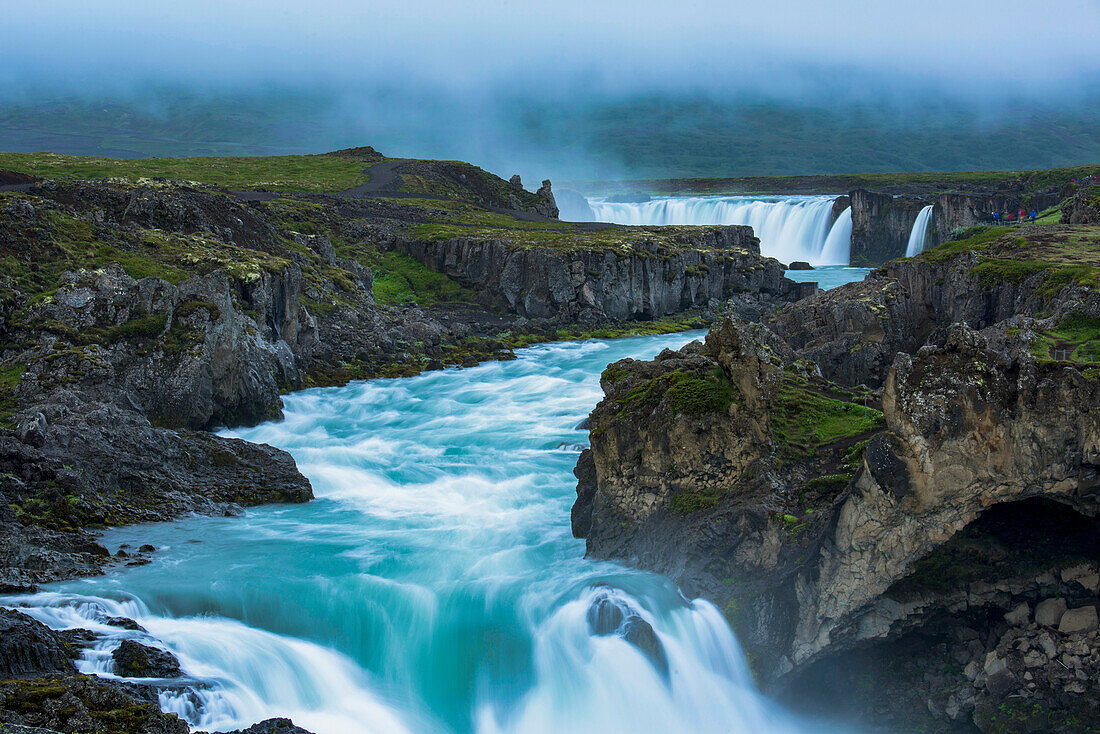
433, 584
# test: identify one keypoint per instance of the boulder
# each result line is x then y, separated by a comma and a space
640, 634
1001, 682
1049, 612
135, 660
32, 430
272, 726
800, 265
1081, 619
1019, 616
30, 648
546, 206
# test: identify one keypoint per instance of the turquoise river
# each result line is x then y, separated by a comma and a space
432, 586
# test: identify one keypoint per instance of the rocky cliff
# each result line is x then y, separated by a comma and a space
882, 223
854, 332
621, 273
955, 533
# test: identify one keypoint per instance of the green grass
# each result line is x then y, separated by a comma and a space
687, 393
313, 173
1067, 254
686, 502
901, 182
400, 279
10, 375
1077, 334
993, 270
803, 421
664, 325
971, 238
710, 394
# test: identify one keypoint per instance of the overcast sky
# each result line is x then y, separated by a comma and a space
966, 47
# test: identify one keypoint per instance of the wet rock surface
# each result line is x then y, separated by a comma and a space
907, 575
29, 648
135, 660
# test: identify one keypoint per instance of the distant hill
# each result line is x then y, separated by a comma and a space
652, 137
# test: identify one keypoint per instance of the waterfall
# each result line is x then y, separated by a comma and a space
919, 234
838, 245
789, 228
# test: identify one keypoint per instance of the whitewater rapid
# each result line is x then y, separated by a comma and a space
432, 586
789, 227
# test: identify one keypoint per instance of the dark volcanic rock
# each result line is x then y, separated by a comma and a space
800, 265
666, 272
611, 615
272, 726
881, 224
29, 648
84, 704
133, 472
854, 332
134, 660
1083, 207
971, 424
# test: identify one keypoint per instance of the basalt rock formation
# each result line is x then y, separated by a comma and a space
637, 273
956, 532
882, 223
853, 332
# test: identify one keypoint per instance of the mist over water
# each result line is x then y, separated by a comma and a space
433, 585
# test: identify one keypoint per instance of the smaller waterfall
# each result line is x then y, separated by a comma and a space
919, 235
838, 245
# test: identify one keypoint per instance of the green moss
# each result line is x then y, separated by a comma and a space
189, 308
686, 392
828, 483
400, 279
803, 421
1058, 279
10, 375
791, 525
686, 502
853, 458
142, 327
613, 373
691, 394
664, 325
973, 238
993, 270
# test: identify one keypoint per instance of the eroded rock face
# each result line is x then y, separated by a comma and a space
854, 332
84, 703
133, 471
967, 428
1083, 207
881, 224
29, 648
972, 424
187, 355
692, 474
578, 284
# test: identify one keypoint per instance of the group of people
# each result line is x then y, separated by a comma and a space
1010, 218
